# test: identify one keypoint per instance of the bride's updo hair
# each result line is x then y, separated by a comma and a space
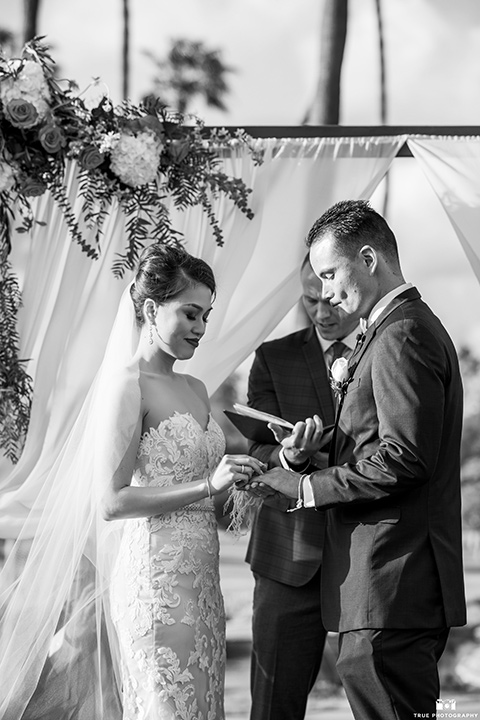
164, 272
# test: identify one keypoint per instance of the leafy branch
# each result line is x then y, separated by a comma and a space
15, 383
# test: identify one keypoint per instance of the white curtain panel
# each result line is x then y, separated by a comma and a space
70, 301
452, 166
258, 268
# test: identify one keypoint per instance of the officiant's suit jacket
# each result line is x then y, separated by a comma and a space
393, 549
288, 379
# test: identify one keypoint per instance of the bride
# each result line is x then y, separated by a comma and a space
119, 602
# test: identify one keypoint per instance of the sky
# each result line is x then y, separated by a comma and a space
433, 78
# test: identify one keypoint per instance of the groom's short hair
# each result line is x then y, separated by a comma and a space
354, 223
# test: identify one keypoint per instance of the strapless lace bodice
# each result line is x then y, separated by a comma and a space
179, 450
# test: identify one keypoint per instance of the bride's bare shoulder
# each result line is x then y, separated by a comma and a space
127, 375
198, 387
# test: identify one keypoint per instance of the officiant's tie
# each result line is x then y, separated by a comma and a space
336, 350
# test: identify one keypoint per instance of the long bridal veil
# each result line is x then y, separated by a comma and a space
58, 652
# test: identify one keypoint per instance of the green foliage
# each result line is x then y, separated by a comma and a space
15, 384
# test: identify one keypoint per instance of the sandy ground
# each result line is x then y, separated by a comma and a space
237, 586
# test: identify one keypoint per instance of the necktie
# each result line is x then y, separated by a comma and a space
336, 350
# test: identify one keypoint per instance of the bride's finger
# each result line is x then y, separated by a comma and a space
247, 465
257, 465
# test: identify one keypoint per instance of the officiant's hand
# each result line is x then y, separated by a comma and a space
302, 442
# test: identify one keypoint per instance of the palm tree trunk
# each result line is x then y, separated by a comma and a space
383, 91
325, 109
126, 50
381, 52
30, 11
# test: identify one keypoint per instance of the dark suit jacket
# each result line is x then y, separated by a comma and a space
393, 554
288, 379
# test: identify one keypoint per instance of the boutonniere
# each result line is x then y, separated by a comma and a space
363, 331
340, 377
359, 340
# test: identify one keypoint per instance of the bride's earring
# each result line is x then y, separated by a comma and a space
150, 334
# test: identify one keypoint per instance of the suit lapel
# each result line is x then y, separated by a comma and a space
361, 347
318, 370
410, 294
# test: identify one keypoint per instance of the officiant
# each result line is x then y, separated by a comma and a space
290, 378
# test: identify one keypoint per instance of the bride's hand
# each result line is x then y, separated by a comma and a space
235, 469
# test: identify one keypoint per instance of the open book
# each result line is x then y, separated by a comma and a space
259, 415
253, 424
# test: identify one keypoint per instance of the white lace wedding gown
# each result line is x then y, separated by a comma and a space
165, 595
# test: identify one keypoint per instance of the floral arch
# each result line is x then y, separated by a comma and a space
242, 200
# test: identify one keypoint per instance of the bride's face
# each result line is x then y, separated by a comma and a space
181, 322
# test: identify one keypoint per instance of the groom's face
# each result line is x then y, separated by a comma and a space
347, 282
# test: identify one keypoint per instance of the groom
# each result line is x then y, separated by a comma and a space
392, 582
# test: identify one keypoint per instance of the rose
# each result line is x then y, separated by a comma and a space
21, 113
90, 157
339, 370
51, 138
25, 85
32, 187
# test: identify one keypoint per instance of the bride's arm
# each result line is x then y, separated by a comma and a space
122, 501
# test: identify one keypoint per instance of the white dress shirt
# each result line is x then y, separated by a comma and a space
377, 309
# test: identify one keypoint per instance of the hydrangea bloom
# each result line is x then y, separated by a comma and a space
135, 158
29, 86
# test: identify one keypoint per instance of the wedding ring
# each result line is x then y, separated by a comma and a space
243, 469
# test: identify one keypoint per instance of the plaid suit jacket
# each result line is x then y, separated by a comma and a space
288, 378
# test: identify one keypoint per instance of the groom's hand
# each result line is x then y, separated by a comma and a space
276, 479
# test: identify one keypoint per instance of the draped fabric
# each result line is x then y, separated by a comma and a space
452, 166
258, 268
70, 301
59, 651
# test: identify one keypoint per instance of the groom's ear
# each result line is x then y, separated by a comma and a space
369, 257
